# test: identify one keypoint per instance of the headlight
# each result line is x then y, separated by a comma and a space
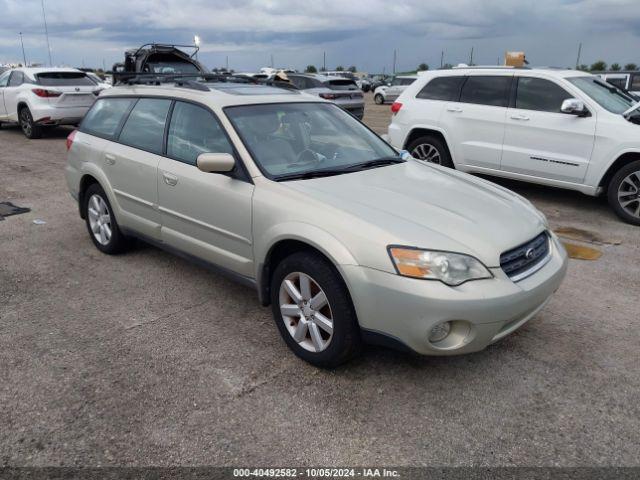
450, 268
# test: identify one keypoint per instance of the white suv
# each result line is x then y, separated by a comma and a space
562, 128
40, 97
388, 93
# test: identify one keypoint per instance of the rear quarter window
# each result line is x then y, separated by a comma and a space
64, 79
106, 116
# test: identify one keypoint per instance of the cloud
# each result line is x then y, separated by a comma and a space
351, 32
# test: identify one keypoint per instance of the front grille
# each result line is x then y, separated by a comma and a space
517, 262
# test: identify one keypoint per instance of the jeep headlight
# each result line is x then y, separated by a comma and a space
450, 268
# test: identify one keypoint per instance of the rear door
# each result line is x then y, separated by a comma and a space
475, 124
131, 165
4, 80
541, 141
76, 88
207, 215
11, 92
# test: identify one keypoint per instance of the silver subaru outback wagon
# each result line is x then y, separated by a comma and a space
347, 240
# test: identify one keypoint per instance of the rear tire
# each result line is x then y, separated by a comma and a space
379, 99
323, 332
623, 193
431, 149
29, 128
101, 222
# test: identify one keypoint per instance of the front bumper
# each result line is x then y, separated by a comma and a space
482, 311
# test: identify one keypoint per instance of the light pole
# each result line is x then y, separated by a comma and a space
24, 57
46, 33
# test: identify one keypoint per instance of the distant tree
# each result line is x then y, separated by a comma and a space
423, 67
583, 67
353, 69
615, 67
311, 69
339, 68
598, 66
630, 66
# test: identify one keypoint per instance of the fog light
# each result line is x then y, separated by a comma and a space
439, 332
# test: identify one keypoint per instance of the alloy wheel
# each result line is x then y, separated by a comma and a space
99, 219
629, 194
428, 153
306, 312
26, 122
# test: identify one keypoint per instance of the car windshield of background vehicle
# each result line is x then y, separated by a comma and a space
608, 96
171, 67
301, 140
64, 79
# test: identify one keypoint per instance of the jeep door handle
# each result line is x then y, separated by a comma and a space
109, 159
454, 109
169, 179
523, 118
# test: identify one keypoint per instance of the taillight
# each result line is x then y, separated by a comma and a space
395, 107
43, 92
328, 96
70, 138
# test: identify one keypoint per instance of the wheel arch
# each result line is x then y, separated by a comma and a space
616, 165
322, 244
420, 131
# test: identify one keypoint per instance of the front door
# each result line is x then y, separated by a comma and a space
541, 141
207, 215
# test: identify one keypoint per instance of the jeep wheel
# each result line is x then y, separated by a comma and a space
623, 193
313, 311
431, 149
29, 128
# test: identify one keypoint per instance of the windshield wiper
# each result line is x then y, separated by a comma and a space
311, 174
378, 162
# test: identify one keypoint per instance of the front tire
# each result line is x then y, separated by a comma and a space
29, 128
431, 149
379, 99
101, 222
313, 310
623, 193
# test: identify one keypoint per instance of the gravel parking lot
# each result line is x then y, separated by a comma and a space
146, 359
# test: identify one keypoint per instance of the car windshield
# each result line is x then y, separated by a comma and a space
608, 96
301, 140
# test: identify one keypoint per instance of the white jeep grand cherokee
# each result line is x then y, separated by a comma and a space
562, 128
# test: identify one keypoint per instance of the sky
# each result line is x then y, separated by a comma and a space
297, 33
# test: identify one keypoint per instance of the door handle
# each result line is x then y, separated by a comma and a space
169, 179
523, 118
454, 109
109, 159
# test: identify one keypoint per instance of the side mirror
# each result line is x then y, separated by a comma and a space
215, 162
573, 106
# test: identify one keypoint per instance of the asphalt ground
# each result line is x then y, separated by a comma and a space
146, 359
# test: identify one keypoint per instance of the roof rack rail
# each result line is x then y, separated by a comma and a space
489, 67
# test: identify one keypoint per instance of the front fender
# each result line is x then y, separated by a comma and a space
312, 235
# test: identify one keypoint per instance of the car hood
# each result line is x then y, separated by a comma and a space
432, 207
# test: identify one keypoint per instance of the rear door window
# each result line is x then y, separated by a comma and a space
17, 79
64, 79
540, 94
194, 130
106, 116
486, 90
144, 129
442, 88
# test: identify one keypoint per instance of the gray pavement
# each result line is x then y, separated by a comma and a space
146, 359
